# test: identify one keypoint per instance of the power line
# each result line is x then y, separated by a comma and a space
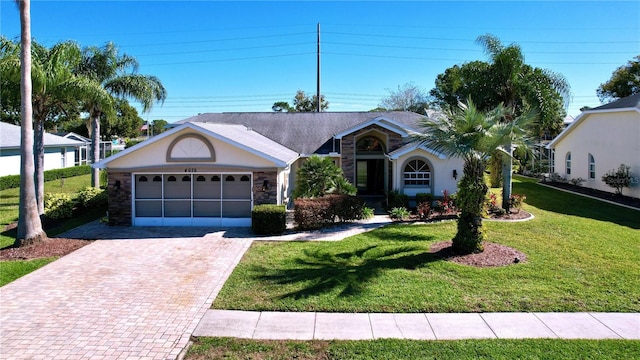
233, 59
219, 40
229, 49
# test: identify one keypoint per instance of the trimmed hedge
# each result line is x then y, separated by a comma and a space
396, 199
13, 181
268, 219
315, 213
64, 206
424, 198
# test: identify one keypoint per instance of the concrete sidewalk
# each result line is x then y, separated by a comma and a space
450, 326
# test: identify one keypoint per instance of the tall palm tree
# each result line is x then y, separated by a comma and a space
472, 135
29, 225
107, 69
519, 87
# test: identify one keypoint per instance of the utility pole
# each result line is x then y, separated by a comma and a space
318, 79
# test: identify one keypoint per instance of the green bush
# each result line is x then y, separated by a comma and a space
396, 199
424, 198
268, 219
13, 181
319, 176
58, 206
399, 213
91, 197
315, 213
618, 179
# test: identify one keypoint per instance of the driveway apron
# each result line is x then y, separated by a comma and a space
116, 299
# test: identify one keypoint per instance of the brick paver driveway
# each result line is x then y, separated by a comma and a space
116, 299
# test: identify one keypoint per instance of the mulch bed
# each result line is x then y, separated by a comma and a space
514, 215
492, 256
48, 248
620, 199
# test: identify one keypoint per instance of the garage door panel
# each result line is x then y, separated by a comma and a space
206, 208
149, 208
148, 187
236, 209
205, 188
179, 208
177, 187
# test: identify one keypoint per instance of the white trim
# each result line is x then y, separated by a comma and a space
381, 121
395, 155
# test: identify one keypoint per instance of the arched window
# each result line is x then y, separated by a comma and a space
370, 144
157, 178
229, 178
592, 167
215, 178
200, 178
568, 162
142, 179
171, 178
244, 178
186, 178
417, 173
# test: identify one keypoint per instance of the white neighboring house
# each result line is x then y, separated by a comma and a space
598, 141
59, 152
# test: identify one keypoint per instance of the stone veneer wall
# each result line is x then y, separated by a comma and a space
265, 197
119, 199
348, 150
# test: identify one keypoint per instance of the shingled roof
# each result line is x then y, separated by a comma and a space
305, 133
624, 103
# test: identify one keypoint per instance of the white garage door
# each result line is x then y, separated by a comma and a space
195, 199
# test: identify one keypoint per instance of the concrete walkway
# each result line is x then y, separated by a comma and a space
358, 326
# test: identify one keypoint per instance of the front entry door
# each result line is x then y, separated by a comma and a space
370, 176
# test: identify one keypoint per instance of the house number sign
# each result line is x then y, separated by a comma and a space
190, 170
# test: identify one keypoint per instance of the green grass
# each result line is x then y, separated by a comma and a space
226, 348
9, 199
583, 255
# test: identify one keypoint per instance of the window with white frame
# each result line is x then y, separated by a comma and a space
568, 163
592, 167
417, 173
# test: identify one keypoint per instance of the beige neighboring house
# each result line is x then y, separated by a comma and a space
59, 152
598, 141
211, 169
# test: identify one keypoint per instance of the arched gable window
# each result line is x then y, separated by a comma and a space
417, 173
190, 148
369, 144
592, 167
568, 162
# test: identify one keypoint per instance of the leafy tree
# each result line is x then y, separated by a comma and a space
319, 176
472, 135
110, 74
158, 126
408, 97
29, 224
124, 123
301, 103
625, 81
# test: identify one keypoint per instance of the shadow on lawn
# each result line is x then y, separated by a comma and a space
570, 204
349, 272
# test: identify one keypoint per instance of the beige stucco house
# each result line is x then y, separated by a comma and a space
211, 169
598, 141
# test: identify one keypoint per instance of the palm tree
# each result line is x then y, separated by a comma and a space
29, 225
518, 87
106, 73
471, 135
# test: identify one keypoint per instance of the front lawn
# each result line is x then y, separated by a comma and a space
582, 255
225, 348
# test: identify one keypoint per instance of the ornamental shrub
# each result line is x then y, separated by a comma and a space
399, 213
424, 198
315, 213
396, 199
618, 179
268, 219
91, 197
58, 206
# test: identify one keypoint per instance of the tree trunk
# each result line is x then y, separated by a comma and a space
507, 174
29, 224
38, 149
470, 201
95, 147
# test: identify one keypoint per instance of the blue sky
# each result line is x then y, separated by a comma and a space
215, 56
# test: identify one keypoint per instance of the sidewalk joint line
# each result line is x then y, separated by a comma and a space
489, 326
547, 326
605, 325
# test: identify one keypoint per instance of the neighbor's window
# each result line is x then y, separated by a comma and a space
568, 163
592, 167
417, 173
